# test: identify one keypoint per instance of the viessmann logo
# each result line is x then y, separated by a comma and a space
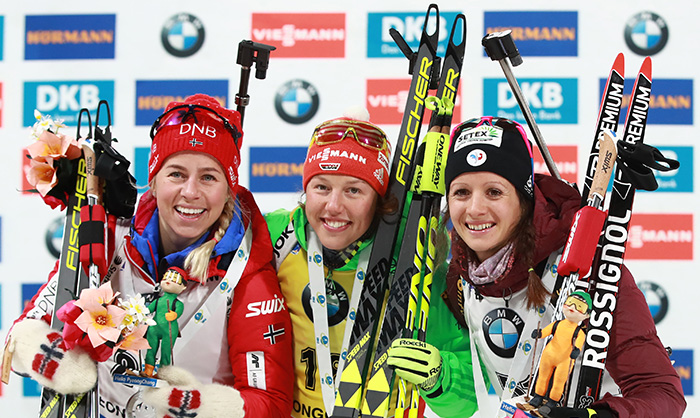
667, 236
69, 37
566, 159
538, 33
386, 99
301, 35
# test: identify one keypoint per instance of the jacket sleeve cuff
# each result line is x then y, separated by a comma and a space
443, 379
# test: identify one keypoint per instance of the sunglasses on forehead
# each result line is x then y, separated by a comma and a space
505, 124
186, 112
578, 304
334, 131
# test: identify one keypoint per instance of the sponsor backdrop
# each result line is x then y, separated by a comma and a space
58, 57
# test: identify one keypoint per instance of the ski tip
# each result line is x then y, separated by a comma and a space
646, 68
619, 64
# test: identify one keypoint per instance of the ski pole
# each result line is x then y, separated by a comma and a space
500, 47
532, 365
580, 248
170, 332
250, 53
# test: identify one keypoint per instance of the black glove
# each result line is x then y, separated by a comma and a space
563, 412
536, 333
575, 353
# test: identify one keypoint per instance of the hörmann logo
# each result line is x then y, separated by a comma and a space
551, 100
64, 99
670, 102
69, 37
380, 44
152, 96
537, 33
276, 169
301, 35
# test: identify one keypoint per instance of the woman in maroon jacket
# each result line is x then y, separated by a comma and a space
509, 226
233, 357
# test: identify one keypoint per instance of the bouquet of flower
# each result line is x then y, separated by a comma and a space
52, 168
100, 323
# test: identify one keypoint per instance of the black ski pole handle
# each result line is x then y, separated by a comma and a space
500, 47
250, 53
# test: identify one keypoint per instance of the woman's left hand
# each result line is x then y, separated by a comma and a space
183, 395
418, 362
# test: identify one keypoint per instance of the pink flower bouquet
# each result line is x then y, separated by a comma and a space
100, 324
51, 170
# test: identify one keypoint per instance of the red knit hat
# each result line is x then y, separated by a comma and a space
198, 124
349, 146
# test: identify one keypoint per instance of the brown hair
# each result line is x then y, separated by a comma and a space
523, 238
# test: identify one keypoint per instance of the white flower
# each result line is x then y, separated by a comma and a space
45, 123
136, 311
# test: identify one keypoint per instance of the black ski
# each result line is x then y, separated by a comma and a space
405, 305
609, 257
70, 275
352, 379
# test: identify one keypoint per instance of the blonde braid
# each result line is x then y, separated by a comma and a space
197, 261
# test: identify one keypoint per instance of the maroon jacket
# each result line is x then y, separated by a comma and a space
636, 360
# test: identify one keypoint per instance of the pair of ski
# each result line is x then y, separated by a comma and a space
82, 250
633, 166
408, 300
593, 268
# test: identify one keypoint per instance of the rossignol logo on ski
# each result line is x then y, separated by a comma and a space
413, 127
609, 273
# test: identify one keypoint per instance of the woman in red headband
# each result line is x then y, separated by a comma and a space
232, 358
322, 247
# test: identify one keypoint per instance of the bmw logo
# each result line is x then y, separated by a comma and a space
656, 298
182, 35
337, 302
646, 33
54, 236
502, 328
296, 101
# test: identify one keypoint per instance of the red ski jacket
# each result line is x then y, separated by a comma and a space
254, 351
